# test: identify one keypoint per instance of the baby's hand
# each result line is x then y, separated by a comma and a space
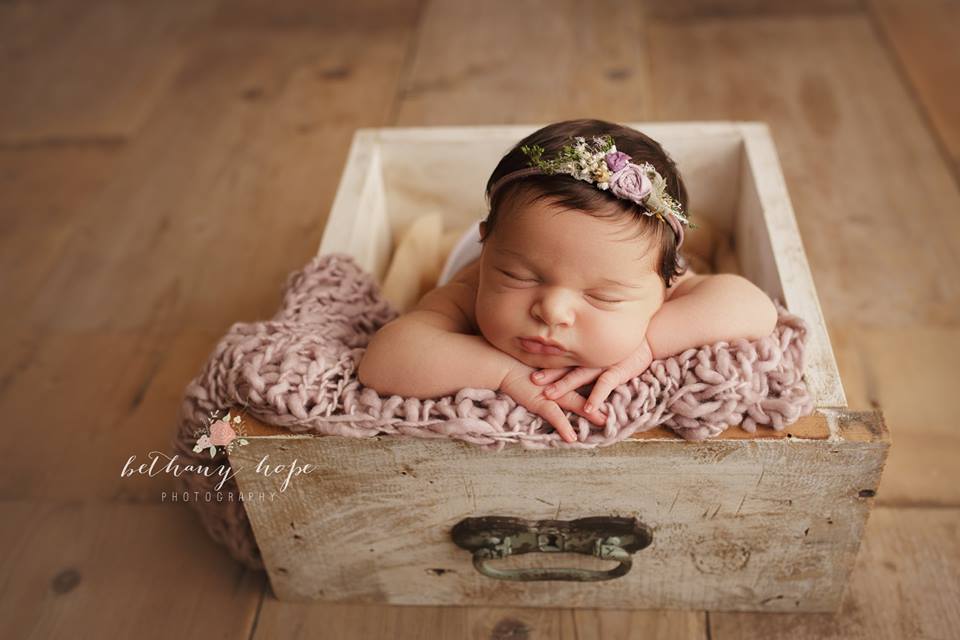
575, 377
518, 386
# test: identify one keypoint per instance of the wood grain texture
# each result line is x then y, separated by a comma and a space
116, 397
76, 569
43, 189
905, 585
246, 140
923, 38
296, 620
371, 521
114, 232
506, 72
840, 114
912, 374
87, 72
690, 10
909, 373
181, 138
239, 160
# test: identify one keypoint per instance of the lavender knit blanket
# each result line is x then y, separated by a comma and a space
297, 370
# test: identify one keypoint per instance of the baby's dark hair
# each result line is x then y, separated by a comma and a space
567, 191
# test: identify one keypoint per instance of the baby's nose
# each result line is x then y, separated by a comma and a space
554, 308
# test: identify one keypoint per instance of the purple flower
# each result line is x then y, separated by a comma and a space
631, 183
616, 160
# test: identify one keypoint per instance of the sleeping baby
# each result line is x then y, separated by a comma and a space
576, 280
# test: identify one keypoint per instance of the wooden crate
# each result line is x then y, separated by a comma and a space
767, 521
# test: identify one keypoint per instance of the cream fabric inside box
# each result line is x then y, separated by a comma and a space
766, 522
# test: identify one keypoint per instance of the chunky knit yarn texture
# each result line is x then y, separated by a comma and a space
298, 371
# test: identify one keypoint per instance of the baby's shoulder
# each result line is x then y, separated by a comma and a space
456, 299
469, 275
684, 283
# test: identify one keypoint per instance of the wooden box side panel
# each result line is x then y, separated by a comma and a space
770, 252
359, 223
708, 156
738, 525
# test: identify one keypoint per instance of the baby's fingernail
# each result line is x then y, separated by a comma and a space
588, 407
538, 375
550, 390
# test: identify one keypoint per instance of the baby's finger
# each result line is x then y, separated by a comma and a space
575, 402
601, 389
546, 376
572, 381
555, 416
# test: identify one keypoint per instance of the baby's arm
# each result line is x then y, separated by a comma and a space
708, 308
427, 353
701, 310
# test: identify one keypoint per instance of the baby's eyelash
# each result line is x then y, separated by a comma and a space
510, 275
518, 278
603, 299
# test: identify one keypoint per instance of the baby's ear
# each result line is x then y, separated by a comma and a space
483, 229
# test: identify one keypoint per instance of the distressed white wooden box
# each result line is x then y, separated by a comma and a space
768, 522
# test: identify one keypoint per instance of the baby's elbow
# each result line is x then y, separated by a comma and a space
364, 370
370, 364
381, 367
373, 375
763, 313
757, 316
769, 317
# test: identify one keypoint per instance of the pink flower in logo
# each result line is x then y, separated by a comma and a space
221, 433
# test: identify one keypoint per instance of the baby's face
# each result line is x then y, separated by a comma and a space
543, 274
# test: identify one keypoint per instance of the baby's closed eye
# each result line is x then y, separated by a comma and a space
604, 298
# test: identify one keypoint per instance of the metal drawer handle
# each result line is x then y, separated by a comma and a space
606, 537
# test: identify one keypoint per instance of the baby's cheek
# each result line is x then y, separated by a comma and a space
493, 320
615, 339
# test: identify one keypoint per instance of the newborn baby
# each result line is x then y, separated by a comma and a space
579, 280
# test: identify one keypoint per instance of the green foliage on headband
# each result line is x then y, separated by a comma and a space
586, 161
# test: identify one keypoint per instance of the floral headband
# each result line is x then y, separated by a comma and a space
599, 163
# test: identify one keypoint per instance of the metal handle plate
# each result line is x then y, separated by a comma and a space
605, 537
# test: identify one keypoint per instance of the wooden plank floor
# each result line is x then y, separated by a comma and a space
163, 166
